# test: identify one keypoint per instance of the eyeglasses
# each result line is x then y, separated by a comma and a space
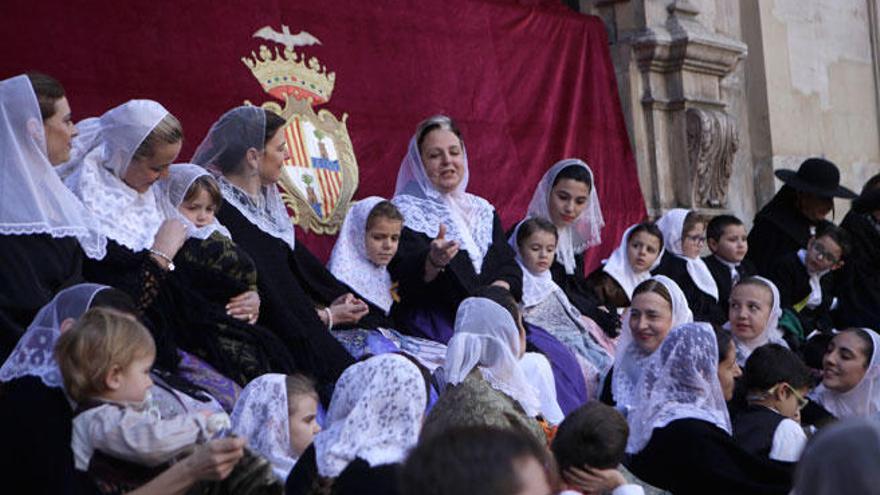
823, 253
699, 239
801, 400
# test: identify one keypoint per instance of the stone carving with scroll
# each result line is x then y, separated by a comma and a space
712, 142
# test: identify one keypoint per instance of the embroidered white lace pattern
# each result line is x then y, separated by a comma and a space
180, 178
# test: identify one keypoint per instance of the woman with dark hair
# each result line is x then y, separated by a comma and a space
788, 221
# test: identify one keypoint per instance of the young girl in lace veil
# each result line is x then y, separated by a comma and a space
753, 316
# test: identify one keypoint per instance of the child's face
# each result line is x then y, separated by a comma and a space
567, 201
537, 251
788, 401
692, 241
650, 319
823, 254
200, 210
382, 239
733, 244
750, 307
642, 250
303, 422
130, 384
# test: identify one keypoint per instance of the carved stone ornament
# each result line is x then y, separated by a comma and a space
712, 142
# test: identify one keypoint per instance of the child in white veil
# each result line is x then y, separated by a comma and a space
750, 300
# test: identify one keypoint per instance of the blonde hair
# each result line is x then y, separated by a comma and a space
298, 385
101, 339
167, 131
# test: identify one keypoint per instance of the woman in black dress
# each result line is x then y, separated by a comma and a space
858, 284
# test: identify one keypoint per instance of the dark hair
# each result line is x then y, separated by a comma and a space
383, 209
718, 224
432, 124
231, 127
691, 220
594, 435
723, 338
502, 297
836, 234
873, 183
209, 185
773, 363
114, 298
756, 282
273, 123
576, 173
47, 90
867, 340
648, 228
655, 286
468, 460
532, 225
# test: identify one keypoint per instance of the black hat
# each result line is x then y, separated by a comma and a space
817, 176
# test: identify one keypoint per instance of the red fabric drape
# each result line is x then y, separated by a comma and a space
528, 82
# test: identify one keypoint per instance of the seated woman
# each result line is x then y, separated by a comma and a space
566, 196
116, 162
44, 228
684, 233
452, 242
367, 242
753, 316
486, 386
850, 376
245, 148
36, 413
658, 305
858, 284
546, 305
373, 421
680, 429
640, 251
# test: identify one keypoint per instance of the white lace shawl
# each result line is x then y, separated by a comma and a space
468, 218
586, 229
618, 266
864, 399
629, 361
486, 336
261, 415
33, 200
349, 262
101, 155
680, 381
672, 226
770, 333
376, 414
33, 354
180, 178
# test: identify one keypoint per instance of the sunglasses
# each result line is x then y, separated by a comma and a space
801, 400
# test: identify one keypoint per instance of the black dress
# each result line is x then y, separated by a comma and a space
582, 295
721, 273
779, 228
358, 478
691, 456
34, 268
859, 279
791, 278
290, 283
704, 306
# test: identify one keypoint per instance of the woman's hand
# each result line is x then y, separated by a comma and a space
168, 240
594, 481
215, 459
245, 306
440, 254
347, 309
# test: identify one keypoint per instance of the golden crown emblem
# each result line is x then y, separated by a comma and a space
286, 72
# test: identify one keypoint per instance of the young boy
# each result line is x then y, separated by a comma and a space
105, 361
589, 447
776, 382
728, 241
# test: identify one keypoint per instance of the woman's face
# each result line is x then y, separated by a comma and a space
60, 131
272, 159
537, 251
567, 201
303, 422
728, 372
650, 320
642, 250
845, 363
382, 239
199, 210
143, 172
750, 306
692, 241
443, 157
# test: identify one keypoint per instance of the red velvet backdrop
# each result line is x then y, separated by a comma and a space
529, 82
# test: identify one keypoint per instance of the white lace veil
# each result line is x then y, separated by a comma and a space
349, 262
376, 414
261, 415
33, 355
486, 336
618, 266
680, 381
180, 178
101, 155
864, 399
629, 361
672, 226
468, 218
33, 200
235, 132
585, 231
536, 288
856, 445
771, 332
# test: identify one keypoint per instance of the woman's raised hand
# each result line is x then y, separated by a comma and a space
442, 251
170, 237
245, 306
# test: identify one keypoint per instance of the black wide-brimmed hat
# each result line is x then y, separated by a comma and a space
817, 176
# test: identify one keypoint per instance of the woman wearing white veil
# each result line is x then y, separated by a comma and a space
851, 375
743, 304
